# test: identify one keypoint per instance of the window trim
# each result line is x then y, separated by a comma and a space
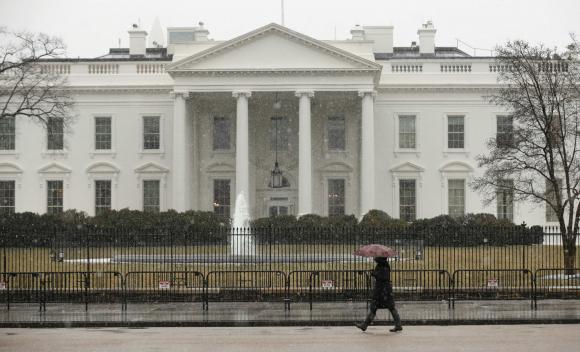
465, 185
161, 187
54, 152
161, 150
8, 178
397, 149
94, 195
513, 205
232, 193
466, 136
51, 179
153, 171
93, 130
326, 184
497, 116
455, 170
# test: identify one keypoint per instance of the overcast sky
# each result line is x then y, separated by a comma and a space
90, 27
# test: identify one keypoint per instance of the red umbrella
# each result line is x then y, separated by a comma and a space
376, 250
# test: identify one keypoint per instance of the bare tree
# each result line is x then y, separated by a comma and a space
29, 85
535, 157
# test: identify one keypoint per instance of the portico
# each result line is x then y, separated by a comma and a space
235, 84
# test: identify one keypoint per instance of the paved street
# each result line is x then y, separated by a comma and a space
512, 338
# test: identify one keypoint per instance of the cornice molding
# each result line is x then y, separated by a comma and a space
122, 89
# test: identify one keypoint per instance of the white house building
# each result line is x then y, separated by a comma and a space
348, 125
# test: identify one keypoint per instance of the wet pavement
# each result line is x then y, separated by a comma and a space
274, 314
497, 338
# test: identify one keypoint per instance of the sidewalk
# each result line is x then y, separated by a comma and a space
273, 314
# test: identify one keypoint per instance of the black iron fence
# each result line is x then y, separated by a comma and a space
197, 264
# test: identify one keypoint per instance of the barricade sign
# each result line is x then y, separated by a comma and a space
164, 285
2, 285
327, 284
492, 283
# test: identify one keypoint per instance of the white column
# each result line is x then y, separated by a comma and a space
304, 153
367, 168
180, 161
242, 145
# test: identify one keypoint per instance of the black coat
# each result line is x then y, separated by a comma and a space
383, 289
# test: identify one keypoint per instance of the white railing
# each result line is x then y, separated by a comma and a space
407, 68
55, 69
500, 68
150, 68
455, 68
103, 69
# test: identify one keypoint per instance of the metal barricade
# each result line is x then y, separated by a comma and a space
421, 285
557, 283
246, 286
21, 287
164, 287
490, 284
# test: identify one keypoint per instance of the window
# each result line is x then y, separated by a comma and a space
455, 132
102, 196
151, 196
221, 197
335, 197
221, 133
336, 133
7, 133
279, 132
505, 200
407, 200
456, 197
505, 132
7, 197
55, 134
276, 210
151, 132
54, 191
407, 139
103, 133
551, 215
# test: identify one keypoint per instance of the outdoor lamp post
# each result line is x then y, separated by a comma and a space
276, 177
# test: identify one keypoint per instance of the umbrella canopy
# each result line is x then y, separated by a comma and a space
376, 250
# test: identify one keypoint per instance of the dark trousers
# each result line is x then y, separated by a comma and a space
373, 313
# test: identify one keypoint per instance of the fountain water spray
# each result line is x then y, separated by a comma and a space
241, 239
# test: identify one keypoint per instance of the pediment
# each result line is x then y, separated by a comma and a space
220, 167
54, 168
270, 48
456, 166
407, 167
151, 168
102, 167
10, 168
337, 167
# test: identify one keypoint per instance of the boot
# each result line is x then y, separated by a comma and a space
361, 326
397, 328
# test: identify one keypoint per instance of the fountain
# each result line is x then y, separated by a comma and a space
241, 239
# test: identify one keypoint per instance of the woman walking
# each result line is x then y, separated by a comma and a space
382, 295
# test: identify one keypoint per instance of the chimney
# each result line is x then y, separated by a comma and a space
382, 37
201, 33
427, 38
137, 41
358, 33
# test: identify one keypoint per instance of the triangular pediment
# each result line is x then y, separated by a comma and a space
102, 167
273, 47
54, 168
151, 168
10, 168
407, 167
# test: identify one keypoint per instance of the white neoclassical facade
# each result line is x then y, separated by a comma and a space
351, 125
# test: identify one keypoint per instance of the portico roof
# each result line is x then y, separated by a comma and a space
273, 49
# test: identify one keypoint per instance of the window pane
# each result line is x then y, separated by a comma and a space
55, 134
456, 198
505, 129
151, 196
407, 200
102, 133
102, 196
407, 132
151, 132
335, 197
336, 133
54, 195
279, 124
221, 197
7, 197
505, 200
7, 133
455, 132
221, 133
